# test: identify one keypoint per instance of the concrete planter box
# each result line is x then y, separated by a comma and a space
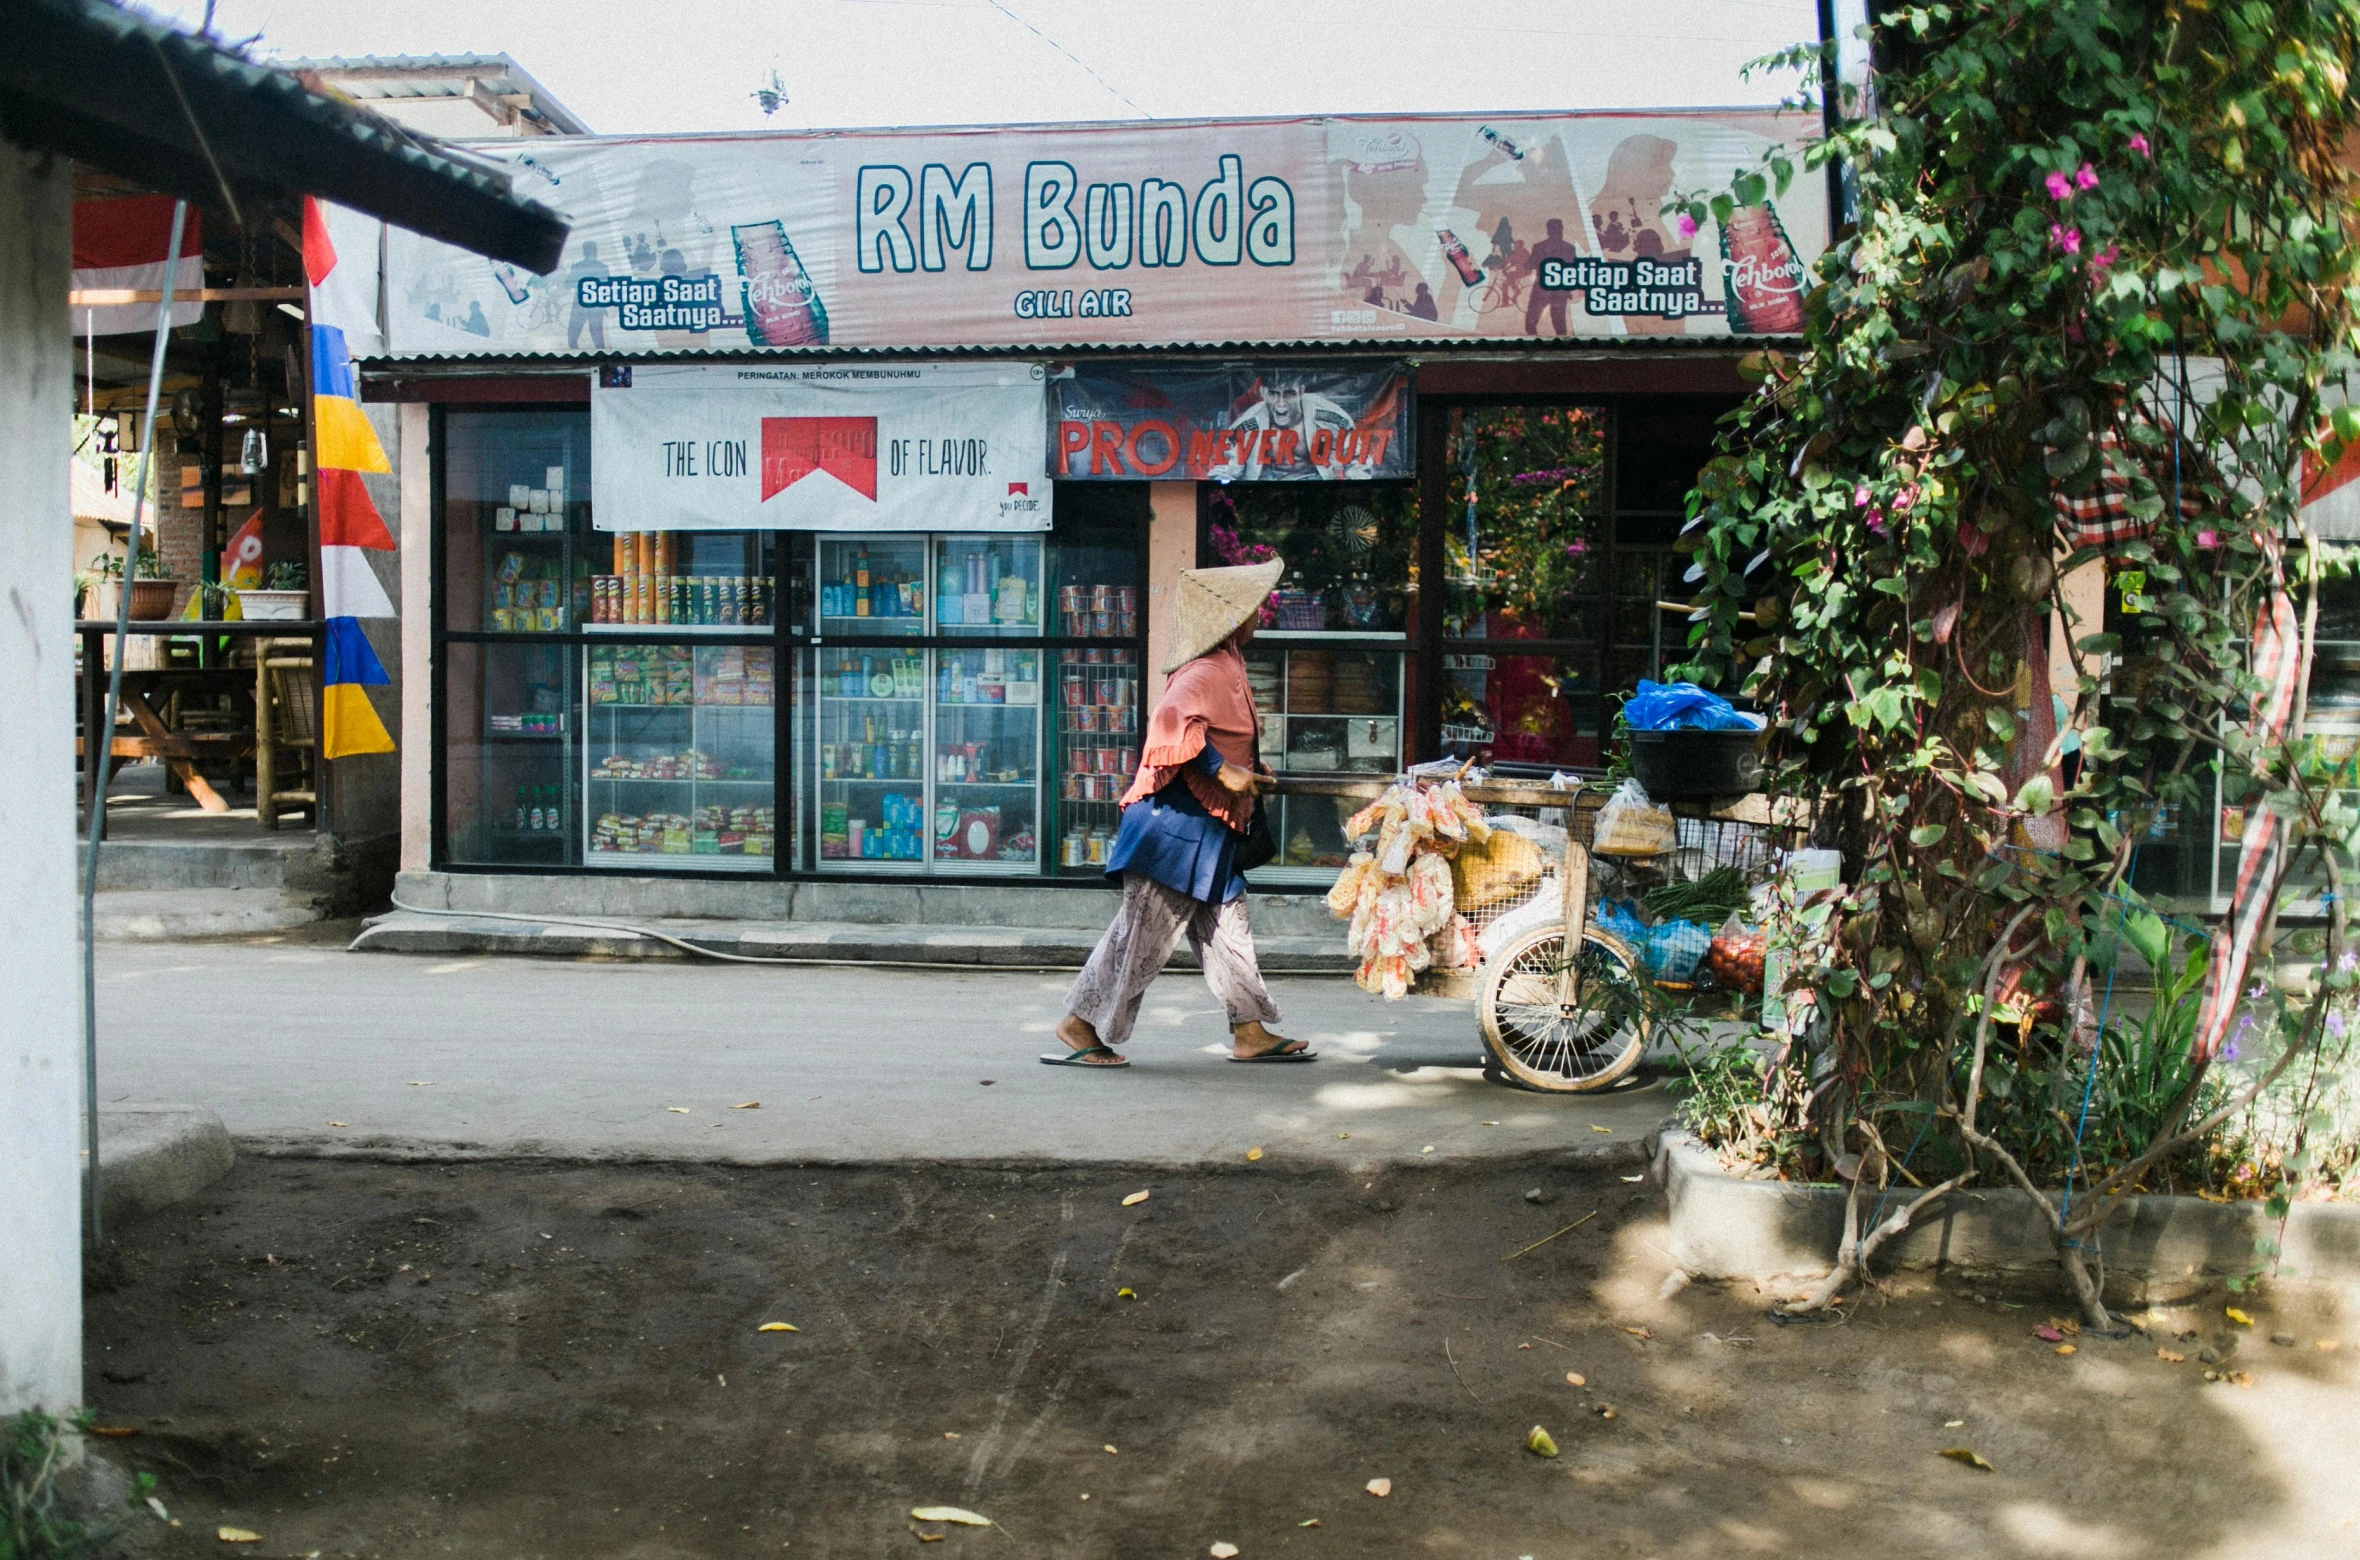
2156, 1249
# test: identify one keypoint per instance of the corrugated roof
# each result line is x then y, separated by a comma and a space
129, 94
366, 77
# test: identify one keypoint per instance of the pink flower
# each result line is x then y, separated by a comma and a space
2104, 257
1906, 497
2139, 145
2060, 187
1685, 225
2085, 177
2065, 238
1876, 522
1860, 496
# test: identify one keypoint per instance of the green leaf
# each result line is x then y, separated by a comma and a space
1926, 834
2036, 796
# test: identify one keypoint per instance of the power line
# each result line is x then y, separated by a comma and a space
1069, 54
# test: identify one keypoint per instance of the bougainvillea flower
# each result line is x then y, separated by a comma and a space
2065, 238
1876, 522
1685, 226
1860, 496
2085, 177
2139, 145
2060, 187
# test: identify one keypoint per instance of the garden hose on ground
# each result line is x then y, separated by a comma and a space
686, 946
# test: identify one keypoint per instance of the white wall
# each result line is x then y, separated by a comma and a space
40, 1025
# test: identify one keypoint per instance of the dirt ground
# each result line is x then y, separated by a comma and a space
513, 1360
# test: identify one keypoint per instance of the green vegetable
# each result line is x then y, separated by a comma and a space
1711, 899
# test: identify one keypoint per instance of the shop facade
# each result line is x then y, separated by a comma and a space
833, 544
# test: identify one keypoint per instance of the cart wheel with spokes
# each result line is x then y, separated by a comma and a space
1564, 1026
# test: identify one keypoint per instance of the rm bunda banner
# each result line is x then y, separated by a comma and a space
1216, 234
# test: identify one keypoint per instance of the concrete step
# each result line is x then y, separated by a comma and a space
261, 862
850, 942
170, 914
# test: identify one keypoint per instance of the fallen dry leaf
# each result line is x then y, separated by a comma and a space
332, 1124
1223, 1551
2048, 1335
2237, 1316
2065, 1348
927, 1538
1110, 1451
1135, 1199
1126, 1293
677, 1110
114, 1430
1594, 1127
1380, 1488
1253, 1153
420, 1083
231, 1535
1312, 1522
958, 1514
2171, 1357
2243, 1378
1540, 1443
1954, 1424
1606, 1411
1972, 1459
2325, 1345
157, 1507
1574, 1378
747, 1105
1638, 1332
950, 1435
778, 1327
1488, 1123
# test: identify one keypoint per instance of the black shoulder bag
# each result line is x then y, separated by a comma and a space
1260, 846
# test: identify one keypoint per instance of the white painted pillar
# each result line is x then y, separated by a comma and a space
40, 986
1171, 547
413, 460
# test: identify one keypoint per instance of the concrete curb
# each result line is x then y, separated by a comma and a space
152, 1156
847, 941
1618, 1156
2156, 1249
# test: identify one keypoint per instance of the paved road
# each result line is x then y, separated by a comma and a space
312, 1049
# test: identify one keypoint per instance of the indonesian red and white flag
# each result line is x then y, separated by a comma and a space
123, 244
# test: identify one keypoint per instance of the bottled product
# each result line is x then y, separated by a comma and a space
782, 306
1460, 261
1762, 281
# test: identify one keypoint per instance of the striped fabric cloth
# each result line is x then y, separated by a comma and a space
2277, 661
344, 447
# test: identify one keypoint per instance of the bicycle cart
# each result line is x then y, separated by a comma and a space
1564, 1023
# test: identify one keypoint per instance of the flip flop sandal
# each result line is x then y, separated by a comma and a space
1281, 1054
1078, 1059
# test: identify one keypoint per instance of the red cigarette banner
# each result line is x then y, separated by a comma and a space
1232, 422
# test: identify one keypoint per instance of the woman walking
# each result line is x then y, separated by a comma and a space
1185, 821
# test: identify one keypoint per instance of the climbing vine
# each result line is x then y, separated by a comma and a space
2098, 307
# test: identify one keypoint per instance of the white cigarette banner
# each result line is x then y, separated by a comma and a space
840, 447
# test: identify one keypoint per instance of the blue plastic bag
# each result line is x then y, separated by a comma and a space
1675, 948
1621, 918
1682, 706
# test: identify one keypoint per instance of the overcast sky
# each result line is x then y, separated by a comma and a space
694, 64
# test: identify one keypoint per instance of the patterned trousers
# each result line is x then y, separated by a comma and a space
1107, 994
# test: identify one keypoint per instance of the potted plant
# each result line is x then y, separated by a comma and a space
152, 589
284, 593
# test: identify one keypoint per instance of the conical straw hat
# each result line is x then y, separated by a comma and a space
1211, 604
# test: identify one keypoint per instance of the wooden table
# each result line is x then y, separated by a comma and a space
149, 734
